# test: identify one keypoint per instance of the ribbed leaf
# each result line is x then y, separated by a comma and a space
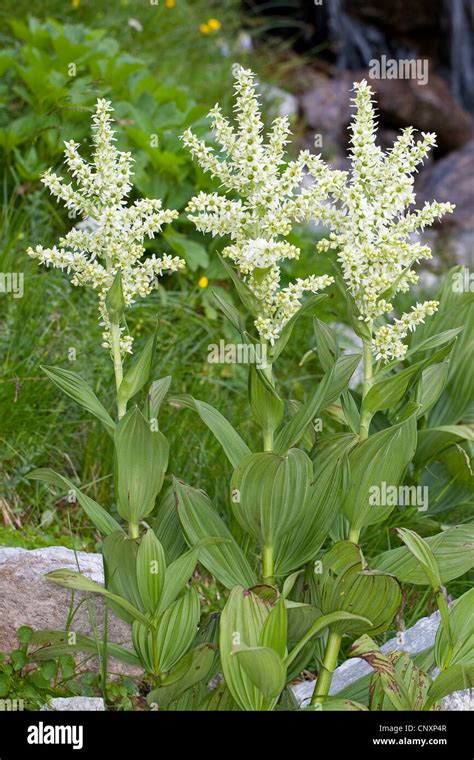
461, 624
264, 667
139, 373
329, 389
156, 394
226, 560
177, 629
141, 462
151, 567
96, 514
194, 667
57, 643
234, 447
177, 575
269, 492
167, 526
76, 388
120, 563
453, 550
382, 458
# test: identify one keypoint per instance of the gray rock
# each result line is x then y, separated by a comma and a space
73, 704
27, 598
415, 639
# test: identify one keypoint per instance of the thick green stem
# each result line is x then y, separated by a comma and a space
268, 563
323, 683
365, 416
118, 369
133, 530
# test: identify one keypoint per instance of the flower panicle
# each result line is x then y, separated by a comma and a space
111, 237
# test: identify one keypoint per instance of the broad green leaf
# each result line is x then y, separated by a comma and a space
433, 441
265, 669
120, 569
141, 462
226, 561
323, 622
167, 526
461, 623
269, 492
139, 373
431, 385
234, 447
151, 567
392, 683
326, 344
329, 389
114, 300
421, 551
387, 392
76, 388
453, 550
381, 459
266, 405
302, 542
229, 311
345, 584
274, 629
194, 667
455, 678
177, 629
97, 514
177, 575
241, 624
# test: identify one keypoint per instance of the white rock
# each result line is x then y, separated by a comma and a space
27, 598
73, 704
415, 639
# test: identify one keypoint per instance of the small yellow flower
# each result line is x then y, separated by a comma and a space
214, 24
76, 3
203, 282
170, 3
204, 29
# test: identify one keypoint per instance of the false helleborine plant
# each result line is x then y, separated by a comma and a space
296, 577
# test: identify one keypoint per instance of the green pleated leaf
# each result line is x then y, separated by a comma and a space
249, 300
226, 561
241, 624
166, 525
177, 575
302, 542
433, 441
234, 447
120, 563
141, 462
194, 667
114, 300
230, 312
76, 388
96, 514
265, 669
421, 551
387, 392
177, 629
267, 407
455, 678
431, 385
453, 550
345, 584
460, 650
151, 568
329, 389
391, 681
381, 459
323, 622
139, 373
269, 492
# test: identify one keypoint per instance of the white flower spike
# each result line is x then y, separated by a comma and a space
270, 201
372, 230
112, 238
